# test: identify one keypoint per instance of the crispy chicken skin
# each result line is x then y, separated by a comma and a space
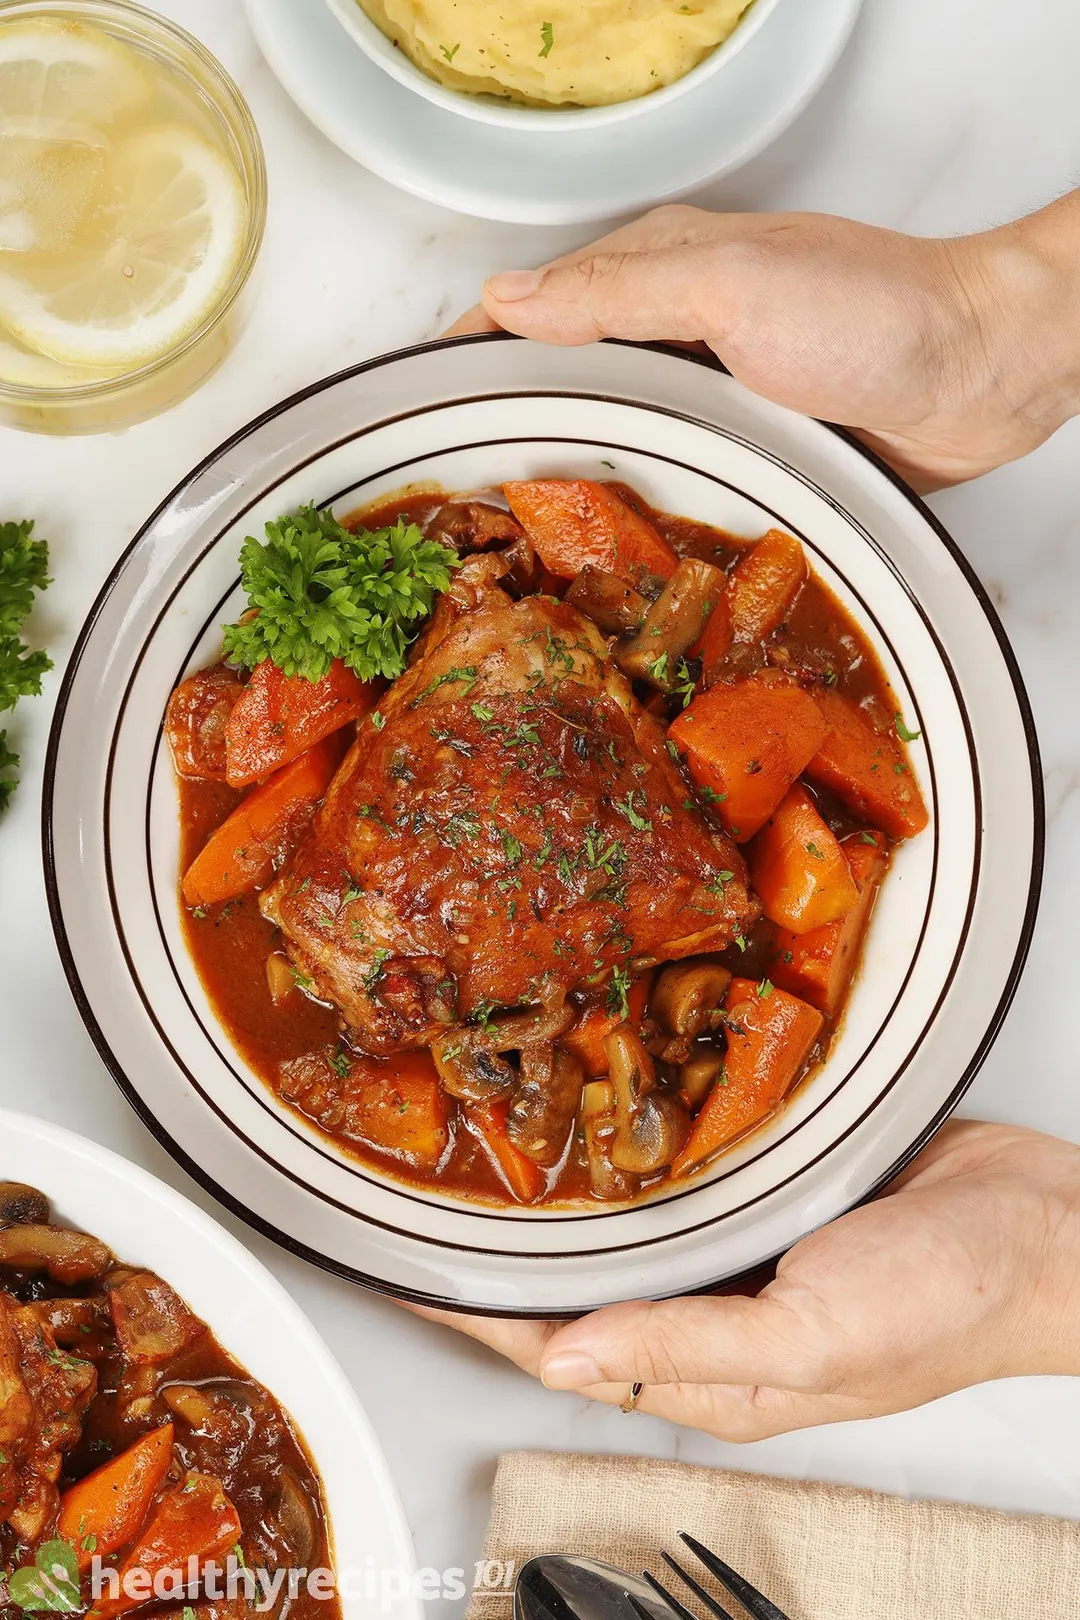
509, 827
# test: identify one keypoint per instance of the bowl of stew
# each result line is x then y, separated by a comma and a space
620, 901
166, 1407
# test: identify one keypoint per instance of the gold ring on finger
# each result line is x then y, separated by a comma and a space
630, 1403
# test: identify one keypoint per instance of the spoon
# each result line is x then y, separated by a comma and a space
563, 1587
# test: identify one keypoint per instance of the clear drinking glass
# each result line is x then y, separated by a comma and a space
223, 118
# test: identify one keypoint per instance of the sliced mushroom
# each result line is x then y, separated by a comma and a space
72, 1321
473, 526
136, 1391
598, 1128
523, 568
612, 604
673, 624
21, 1205
295, 1520
541, 1116
191, 1403
650, 1125
65, 1256
512, 1032
469, 1069
688, 994
699, 1074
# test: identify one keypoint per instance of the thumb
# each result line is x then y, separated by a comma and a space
732, 1340
669, 293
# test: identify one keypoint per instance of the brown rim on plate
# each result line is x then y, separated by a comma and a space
235, 1203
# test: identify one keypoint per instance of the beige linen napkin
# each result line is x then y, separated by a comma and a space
822, 1552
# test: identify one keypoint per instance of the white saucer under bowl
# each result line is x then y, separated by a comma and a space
552, 176
949, 933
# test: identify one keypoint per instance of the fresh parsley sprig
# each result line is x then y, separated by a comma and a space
24, 570
322, 592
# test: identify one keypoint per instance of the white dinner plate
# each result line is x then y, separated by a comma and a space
949, 933
552, 177
148, 1224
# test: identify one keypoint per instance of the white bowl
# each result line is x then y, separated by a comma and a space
544, 176
145, 1222
949, 934
493, 110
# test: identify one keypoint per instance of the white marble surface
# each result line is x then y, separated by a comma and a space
942, 117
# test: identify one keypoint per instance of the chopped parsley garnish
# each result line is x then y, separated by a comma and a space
686, 683
626, 807
657, 668
511, 848
321, 592
547, 35
375, 972
764, 988
450, 51
719, 882
482, 1014
467, 674
812, 849
869, 838
903, 733
616, 1002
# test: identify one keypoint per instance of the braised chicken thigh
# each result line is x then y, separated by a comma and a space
513, 831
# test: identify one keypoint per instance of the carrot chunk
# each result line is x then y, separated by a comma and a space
770, 1036
746, 743
400, 1106
240, 854
278, 717
715, 644
763, 585
798, 869
574, 522
196, 1522
104, 1510
524, 1178
586, 1039
818, 966
867, 768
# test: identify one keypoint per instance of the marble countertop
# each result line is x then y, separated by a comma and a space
940, 118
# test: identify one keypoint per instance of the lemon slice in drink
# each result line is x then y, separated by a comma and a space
143, 268
62, 86
26, 370
54, 69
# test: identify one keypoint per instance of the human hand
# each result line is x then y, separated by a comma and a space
966, 1269
949, 357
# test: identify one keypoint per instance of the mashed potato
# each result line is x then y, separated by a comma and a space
588, 53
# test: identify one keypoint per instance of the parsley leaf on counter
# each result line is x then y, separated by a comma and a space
321, 592
24, 565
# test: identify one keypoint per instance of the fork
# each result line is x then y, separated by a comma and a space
756, 1604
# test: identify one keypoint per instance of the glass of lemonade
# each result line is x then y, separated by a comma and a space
132, 209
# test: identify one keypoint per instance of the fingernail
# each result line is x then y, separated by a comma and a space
513, 285
570, 1369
